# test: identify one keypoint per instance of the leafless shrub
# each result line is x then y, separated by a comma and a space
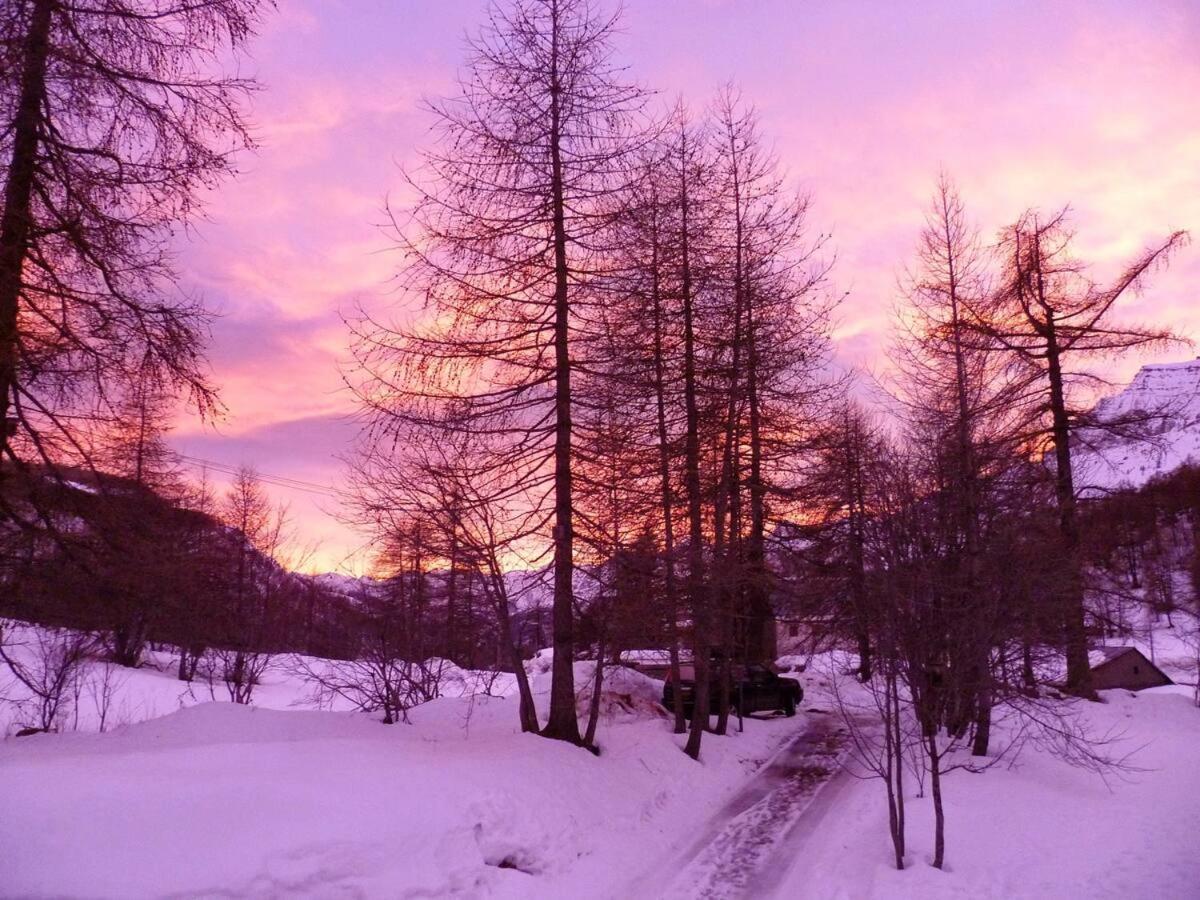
102, 686
240, 670
53, 659
376, 682
1054, 725
880, 738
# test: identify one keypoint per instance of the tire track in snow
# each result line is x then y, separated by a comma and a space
749, 829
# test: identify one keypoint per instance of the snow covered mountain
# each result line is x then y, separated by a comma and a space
528, 589
1171, 394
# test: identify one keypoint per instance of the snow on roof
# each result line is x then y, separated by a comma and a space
1098, 656
653, 657
647, 657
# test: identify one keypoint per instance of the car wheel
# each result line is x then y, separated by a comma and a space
789, 707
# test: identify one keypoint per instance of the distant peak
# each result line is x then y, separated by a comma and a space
1169, 395
1186, 364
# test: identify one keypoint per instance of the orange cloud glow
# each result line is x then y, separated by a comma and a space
1023, 103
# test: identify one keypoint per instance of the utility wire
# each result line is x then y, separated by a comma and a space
269, 478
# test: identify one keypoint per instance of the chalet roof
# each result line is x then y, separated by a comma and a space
652, 657
1102, 656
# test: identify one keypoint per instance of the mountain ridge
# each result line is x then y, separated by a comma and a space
1168, 394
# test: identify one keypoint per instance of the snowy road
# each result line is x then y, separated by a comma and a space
750, 844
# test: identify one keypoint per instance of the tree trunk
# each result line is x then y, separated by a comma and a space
1028, 676
1079, 673
899, 748
983, 723
562, 723
894, 771
723, 673
759, 612
727, 540
451, 599
696, 589
856, 501
17, 220
700, 698
939, 814
676, 695
526, 710
664, 477
864, 655
589, 738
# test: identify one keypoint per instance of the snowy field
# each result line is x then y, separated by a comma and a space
214, 799
195, 798
1037, 828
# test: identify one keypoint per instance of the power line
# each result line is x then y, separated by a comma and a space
282, 481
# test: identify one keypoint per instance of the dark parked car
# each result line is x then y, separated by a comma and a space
752, 688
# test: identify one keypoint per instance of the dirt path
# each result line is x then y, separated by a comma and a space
736, 856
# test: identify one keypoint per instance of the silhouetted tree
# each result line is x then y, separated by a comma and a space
111, 124
503, 242
1051, 318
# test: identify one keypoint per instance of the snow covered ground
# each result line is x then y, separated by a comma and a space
214, 799
195, 798
1037, 829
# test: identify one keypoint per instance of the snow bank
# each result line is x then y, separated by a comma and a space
227, 799
791, 663
135, 695
212, 799
218, 799
153, 690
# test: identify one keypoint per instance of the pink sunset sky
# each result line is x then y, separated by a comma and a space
1096, 104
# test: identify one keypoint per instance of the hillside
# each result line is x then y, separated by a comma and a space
1169, 394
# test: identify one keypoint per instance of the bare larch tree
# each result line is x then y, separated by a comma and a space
1052, 318
503, 243
113, 117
